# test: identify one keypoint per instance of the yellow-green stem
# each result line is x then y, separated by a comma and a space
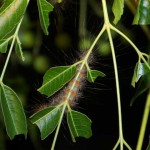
107, 25
144, 122
132, 44
10, 51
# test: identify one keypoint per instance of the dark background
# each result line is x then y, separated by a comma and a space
98, 100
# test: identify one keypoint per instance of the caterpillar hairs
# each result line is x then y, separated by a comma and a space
73, 89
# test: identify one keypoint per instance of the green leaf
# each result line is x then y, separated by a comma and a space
93, 74
14, 117
44, 9
5, 4
3, 46
55, 78
139, 70
46, 120
143, 13
79, 125
18, 49
143, 86
10, 15
117, 8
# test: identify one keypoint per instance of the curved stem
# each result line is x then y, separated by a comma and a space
10, 51
132, 44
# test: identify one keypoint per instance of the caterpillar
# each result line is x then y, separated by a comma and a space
72, 91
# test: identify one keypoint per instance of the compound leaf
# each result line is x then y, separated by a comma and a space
55, 78
14, 117
79, 125
46, 120
44, 9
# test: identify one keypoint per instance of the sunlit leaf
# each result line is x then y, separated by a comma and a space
3, 46
139, 70
44, 9
79, 125
10, 15
18, 49
46, 120
55, 78
143, 13
14, 117
93, 74
117, 8
143, 86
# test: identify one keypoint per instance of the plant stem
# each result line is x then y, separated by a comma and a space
144, 122
107, 25
117, 88
58, 127
10, 51
93, 44
132, 44
83, 63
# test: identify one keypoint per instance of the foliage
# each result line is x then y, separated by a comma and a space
49, 118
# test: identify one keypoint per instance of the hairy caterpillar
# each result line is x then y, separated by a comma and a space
71, 92
74, 87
